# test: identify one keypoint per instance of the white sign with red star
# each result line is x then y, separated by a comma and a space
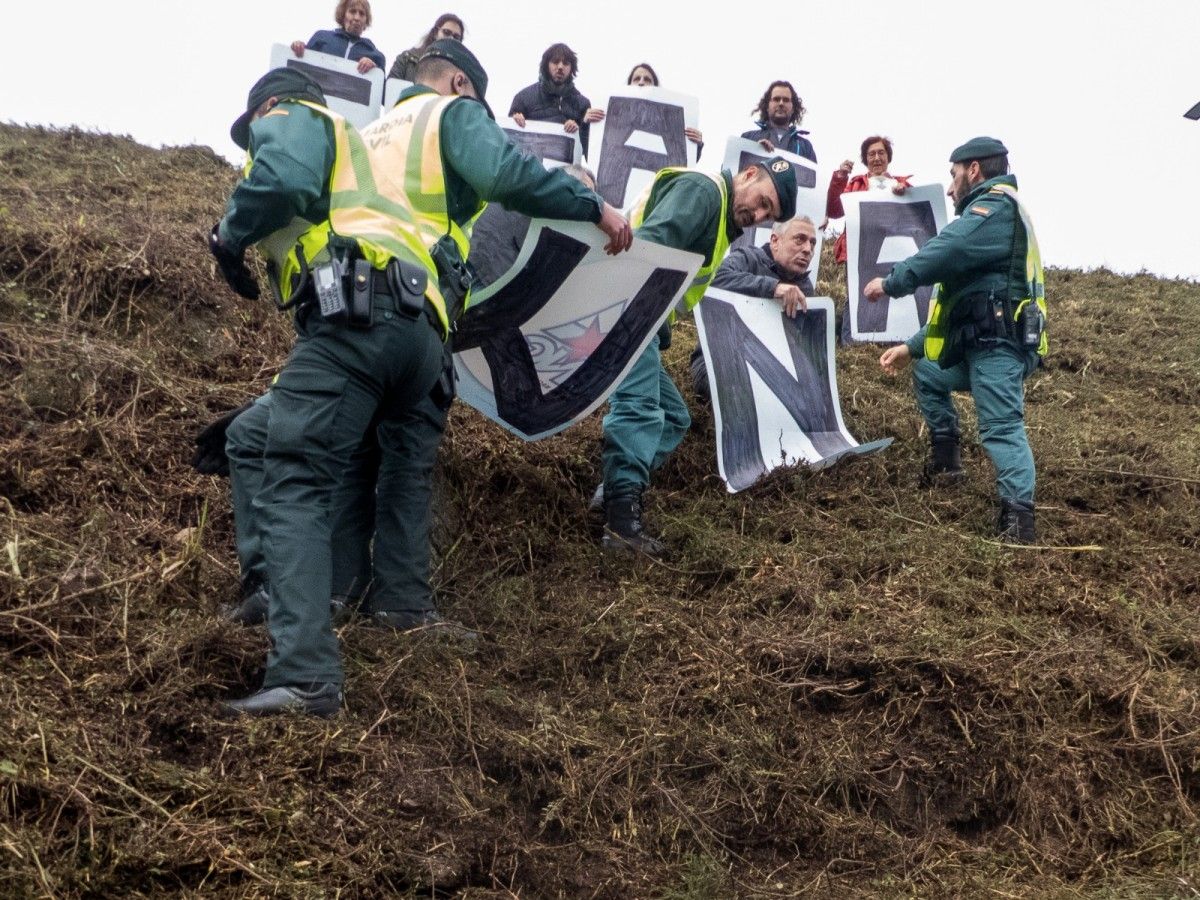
546, 343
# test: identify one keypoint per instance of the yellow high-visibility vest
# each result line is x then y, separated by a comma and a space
645, 203
1035, 287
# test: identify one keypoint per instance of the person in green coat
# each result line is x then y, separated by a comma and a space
647, 416
374, 365
986, 328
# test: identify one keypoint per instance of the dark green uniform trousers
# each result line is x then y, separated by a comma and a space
338, 383
647, 419
995, 377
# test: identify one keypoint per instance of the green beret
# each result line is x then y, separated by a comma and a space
783, 176
456, 53
978, 148
284, 83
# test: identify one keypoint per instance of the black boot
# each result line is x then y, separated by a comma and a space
253, 608
624, 529
422, 623
1016, 522
322, 700
945, 459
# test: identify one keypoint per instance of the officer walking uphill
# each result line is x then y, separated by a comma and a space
647, 417
371, 318
986, 330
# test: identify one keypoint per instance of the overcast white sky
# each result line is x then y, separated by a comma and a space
1089, 95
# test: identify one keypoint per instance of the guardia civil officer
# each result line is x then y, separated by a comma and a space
371, 321
986, 329
647, 417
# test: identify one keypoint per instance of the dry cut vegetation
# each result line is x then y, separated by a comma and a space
836, 687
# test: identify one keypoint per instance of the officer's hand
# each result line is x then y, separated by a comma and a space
519, 119
594, 114
365, 65
232, 266
570, 126
616, 226
894, 359
298, 47
874, 290
766, 145
210, 458
792, 297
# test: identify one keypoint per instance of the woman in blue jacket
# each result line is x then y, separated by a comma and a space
353, 18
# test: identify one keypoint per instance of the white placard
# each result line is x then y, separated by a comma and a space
348, 92
882, 229
545, 140
774, 386
641, 132
545, 345
392, 89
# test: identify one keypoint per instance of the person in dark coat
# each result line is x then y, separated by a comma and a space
780, 112
447, 27
554, 98
353, 18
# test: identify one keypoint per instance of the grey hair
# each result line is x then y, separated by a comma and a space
780, 227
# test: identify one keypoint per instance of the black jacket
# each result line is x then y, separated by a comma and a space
538, 106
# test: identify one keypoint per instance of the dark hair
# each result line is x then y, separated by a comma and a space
992, 166
798, 109
432, 34
875, 139
339, 12
563, 52
431, 68
649, 68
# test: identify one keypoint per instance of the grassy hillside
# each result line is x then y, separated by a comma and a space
837, 686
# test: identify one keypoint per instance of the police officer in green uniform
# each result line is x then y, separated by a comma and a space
986, 329
647, 417
371, 322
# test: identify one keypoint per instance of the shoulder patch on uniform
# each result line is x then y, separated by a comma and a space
980, 210
276, 112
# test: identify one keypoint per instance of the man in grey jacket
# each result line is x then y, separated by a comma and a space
777, 269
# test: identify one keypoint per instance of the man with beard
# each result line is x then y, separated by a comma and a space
986, 328
647, 418
780, 111
778, 269
554, 98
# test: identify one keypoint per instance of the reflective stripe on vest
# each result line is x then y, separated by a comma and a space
281, 248
645, 204
1035, 287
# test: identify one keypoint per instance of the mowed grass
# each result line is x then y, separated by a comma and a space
837, 685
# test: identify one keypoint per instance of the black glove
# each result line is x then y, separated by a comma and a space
232, 266
210, 458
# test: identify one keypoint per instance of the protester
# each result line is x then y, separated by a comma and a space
986, 328
647, 417
778, 269
642, 75
353, 18
377, 363
876, 155
447, 27
555, 98
779, 113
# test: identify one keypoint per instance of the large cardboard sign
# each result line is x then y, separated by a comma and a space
347, 91
774, 387
641, 132
392, 89
881, 230
546, 344
811, 182
545, 140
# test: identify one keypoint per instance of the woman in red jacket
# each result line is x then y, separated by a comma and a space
876, 153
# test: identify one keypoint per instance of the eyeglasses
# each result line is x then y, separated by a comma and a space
450, 33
